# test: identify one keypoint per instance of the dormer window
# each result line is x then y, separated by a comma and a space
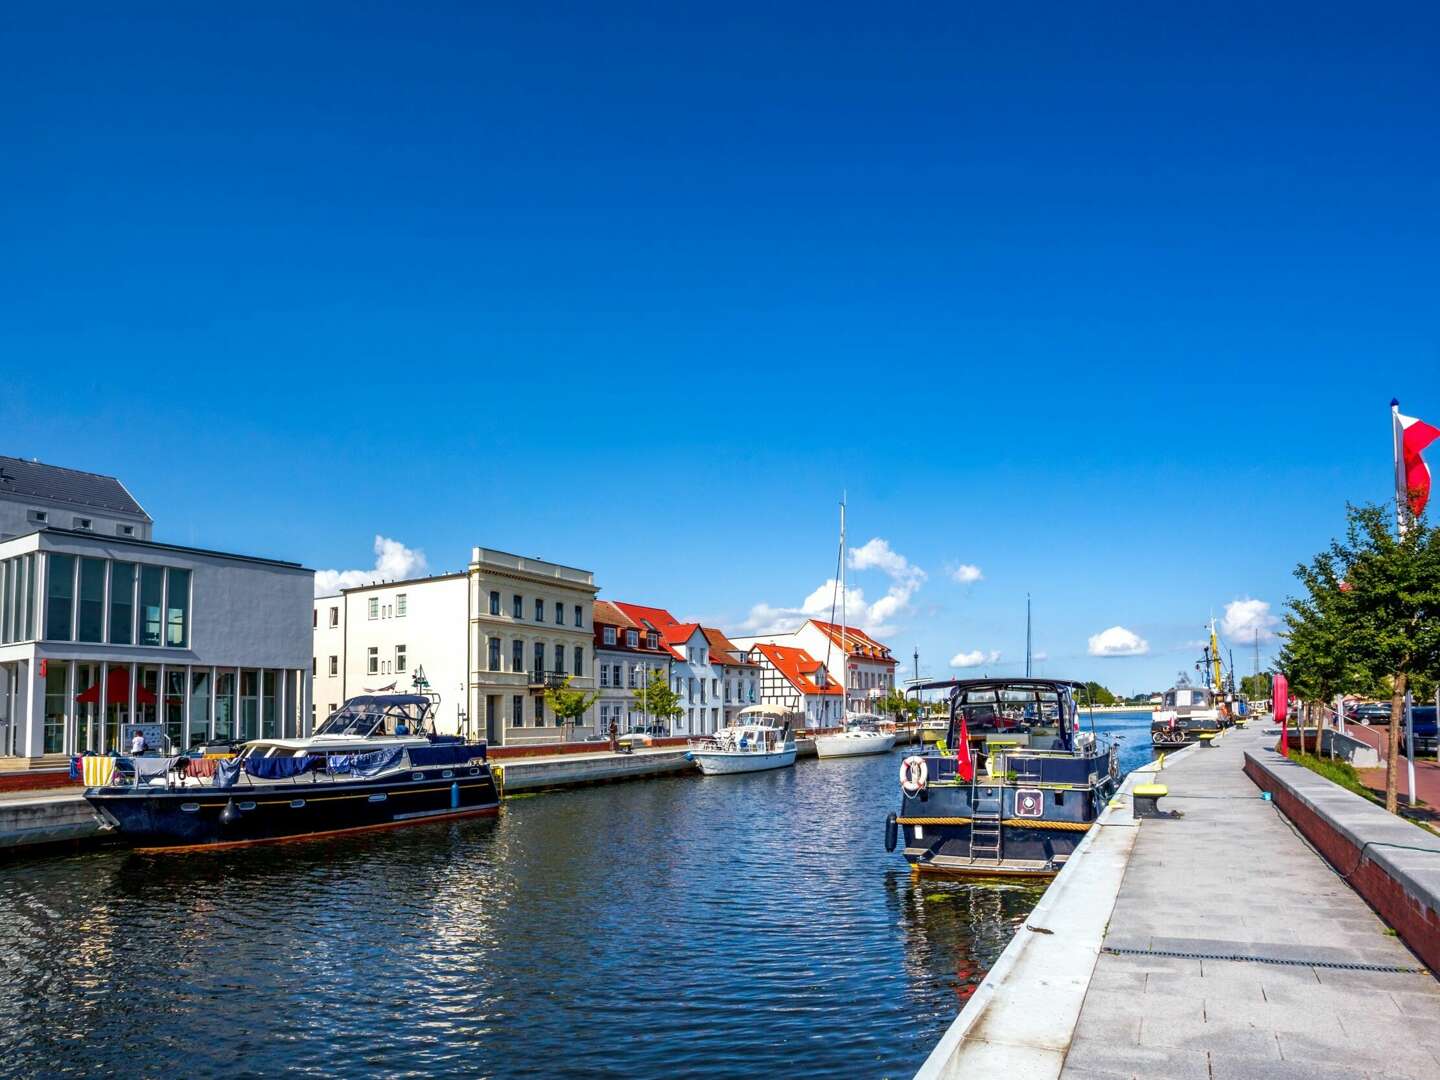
652, 640
39, 517
84, 524
124, 530
609, 635
632, 638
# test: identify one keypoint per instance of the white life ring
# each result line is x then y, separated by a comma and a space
913, 774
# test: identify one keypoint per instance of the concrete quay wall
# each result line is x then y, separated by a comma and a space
530, 774
1388, 861
50, 819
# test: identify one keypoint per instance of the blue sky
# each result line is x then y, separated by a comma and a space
1108, 303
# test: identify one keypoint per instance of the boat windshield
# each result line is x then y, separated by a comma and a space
1187, 697
375, 716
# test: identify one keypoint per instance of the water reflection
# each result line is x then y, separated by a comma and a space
723, 926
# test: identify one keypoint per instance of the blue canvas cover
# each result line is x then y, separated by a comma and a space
445, 754
366, 764
227, 771
282, 768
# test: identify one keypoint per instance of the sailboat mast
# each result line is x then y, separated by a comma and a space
844, 647
1027, 635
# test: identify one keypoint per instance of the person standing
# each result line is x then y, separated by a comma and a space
137, 743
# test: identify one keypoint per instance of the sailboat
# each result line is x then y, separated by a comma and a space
862, 733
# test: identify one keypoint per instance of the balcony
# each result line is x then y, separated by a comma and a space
541, 680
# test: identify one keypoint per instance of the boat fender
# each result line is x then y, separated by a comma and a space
892, 830
689, 756
229, 815
455, 796
913, 774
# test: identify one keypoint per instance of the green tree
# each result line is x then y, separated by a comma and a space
1371, 612
897, 705
569, 706
1095, 694
1256, 687
656, 698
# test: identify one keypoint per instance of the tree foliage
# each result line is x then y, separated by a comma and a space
1370, 616
1256, 687
569, 706
897, 704
656, 698
1095, 694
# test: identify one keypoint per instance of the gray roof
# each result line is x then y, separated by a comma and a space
40, 481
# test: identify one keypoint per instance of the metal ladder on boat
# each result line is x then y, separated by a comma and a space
985, 842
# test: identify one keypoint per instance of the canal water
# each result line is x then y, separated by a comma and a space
718, 927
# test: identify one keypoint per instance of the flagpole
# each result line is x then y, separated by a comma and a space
1402, 493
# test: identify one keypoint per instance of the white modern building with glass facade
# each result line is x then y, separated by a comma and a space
97, 631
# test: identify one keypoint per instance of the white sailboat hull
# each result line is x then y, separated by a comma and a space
854, 743
728, 762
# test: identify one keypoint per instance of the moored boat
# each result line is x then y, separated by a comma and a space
1035, 782
374, 762
762, 737
1185, 713
864, 733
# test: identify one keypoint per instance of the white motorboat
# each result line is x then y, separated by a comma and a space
864, 733
760, 738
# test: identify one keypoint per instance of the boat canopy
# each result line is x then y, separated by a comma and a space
379, 714
1197, 697
765, 714
1011, 704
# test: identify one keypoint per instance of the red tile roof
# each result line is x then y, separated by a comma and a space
641, 618
723, 650
647, 616
799, 667
856, 642
609, 614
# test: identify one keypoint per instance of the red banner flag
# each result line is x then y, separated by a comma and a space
1412, 475
1281, 708
963, 760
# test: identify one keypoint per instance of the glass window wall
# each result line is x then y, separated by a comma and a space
173, 707
270, 722
152, 589
199, 706
177, 608
57, 672
59, 597
225, 705
249, 704
91, 625
122, 603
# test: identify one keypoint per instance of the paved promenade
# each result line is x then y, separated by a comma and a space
1232, 877
1427, 771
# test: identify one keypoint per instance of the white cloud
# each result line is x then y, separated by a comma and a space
966, 574
974, 659
1117, 641
393, 562
1040, 657
1246, 618
874, 617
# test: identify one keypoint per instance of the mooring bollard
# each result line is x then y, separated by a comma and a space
1147, 801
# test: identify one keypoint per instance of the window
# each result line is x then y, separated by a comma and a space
579, 659
315, 619
402, 603
399, 657
539, 659
517, 655
652, 639
84, 524
334, 616
494, 654
540, 711
539, 610
632, 638
579, 616
631, 672
59, 597
124, 530
517, 716
494, 602
609, 635
559, 613
517, 606
39, 517
616, 669
177, 608
560, 659
152, 588
121, 604
604, 675
373, 609
372, 660
91, 625
334, 666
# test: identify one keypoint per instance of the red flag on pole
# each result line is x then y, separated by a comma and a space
1412, 475
1280, 706
963, 760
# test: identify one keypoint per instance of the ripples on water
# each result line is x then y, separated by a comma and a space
721, 926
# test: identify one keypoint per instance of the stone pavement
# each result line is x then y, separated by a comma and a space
1232, 877
1427, 771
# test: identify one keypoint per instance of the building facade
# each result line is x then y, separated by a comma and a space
852, 658
100, 631
739, 675
397, 636
627, 655
794, 680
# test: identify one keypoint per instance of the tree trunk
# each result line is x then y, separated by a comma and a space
1392, 763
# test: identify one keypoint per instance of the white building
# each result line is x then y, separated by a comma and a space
795, 680
490, 641
852, 657
627, 655
100, 628
395, 636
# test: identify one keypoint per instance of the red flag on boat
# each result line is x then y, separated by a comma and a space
1412, 475
1280, 706
963, 760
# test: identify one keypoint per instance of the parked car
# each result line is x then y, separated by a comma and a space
1371, 712
1427, 736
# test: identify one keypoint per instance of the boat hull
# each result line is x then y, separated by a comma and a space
243, 814
854, 744
720, 763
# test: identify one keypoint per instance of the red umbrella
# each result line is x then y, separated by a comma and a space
117, 691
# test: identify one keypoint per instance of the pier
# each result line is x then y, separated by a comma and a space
1220, 943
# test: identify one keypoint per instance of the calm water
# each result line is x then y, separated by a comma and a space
723, 926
